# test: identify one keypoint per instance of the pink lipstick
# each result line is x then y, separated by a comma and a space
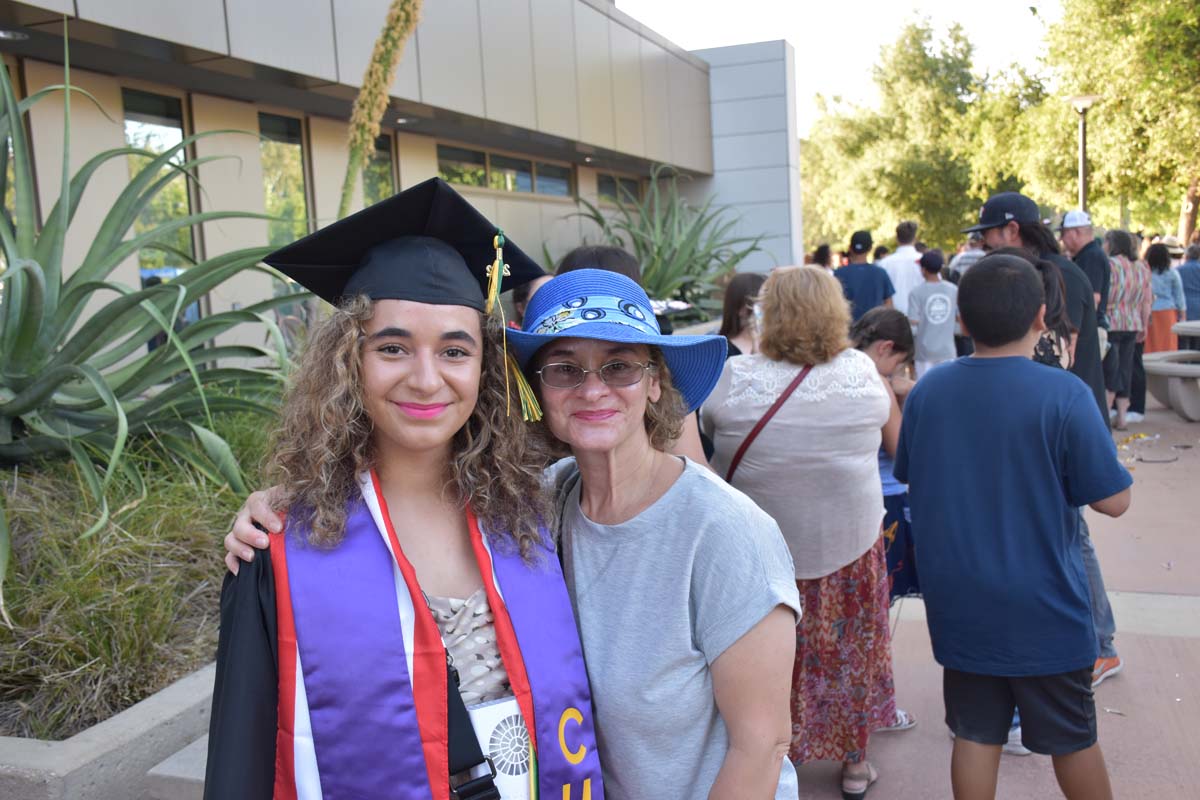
423, 410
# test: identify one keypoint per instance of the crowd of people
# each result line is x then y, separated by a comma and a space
578, 556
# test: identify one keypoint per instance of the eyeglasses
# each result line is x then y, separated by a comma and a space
614, 373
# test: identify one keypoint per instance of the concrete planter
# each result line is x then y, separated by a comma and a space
109, 761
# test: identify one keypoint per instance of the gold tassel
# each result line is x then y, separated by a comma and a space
496, 271
530, 410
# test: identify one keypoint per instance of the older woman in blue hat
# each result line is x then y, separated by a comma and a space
682, 587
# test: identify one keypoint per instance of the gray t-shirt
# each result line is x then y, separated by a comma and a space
657, 599
936, 306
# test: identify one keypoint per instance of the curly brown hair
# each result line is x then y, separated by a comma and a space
323, 439
664, 417
805, 316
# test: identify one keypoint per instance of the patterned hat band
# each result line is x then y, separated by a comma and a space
596, 308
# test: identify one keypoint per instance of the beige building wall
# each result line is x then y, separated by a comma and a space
232, 182
95, 127
575, 69
328, 154
578, 69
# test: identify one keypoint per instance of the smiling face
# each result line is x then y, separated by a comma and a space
595, 417
421, 368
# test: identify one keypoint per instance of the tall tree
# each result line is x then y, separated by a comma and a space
1143, 58
867, 169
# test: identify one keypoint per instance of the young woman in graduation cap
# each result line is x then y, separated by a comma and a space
411, 577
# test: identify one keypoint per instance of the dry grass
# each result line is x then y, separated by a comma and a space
103, 622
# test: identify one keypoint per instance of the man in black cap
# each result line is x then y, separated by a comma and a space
865, 285
1010, 219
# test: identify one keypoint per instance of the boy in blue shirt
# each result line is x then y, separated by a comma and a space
1006, 594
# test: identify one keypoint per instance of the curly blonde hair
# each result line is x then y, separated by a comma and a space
806, 318
323, 440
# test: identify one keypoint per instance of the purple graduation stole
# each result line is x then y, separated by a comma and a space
372, 674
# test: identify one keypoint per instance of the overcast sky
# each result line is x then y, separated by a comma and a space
838, 41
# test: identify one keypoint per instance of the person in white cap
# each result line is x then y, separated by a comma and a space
1079, 240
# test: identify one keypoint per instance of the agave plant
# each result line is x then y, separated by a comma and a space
76, 379
683, 249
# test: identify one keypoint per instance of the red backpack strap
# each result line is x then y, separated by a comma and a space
741, 451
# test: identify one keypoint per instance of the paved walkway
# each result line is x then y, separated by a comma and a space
1149, 716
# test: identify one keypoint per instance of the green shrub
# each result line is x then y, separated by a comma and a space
682, 248
102, 622
76, 378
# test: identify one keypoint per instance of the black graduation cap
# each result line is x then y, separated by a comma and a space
425, 244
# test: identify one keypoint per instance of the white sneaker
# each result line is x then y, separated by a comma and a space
1013, 746
1133, 416
1112, 413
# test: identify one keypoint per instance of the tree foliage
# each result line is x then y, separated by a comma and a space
1143, 58
944, 137
867, 169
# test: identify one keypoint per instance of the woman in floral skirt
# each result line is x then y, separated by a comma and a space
815, 470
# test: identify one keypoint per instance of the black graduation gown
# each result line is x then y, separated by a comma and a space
241, 730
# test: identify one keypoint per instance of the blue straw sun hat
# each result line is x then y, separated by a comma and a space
596, 304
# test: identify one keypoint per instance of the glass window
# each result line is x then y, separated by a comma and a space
510, 174
282, 152
379, 178
606, 187
155, 123
458, 165
612, 189
10, 181
630, 189
553, 179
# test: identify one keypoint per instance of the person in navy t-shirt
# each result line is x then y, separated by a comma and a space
999, 452
865, 285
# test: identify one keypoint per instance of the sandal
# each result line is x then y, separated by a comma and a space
855, 788
903, 722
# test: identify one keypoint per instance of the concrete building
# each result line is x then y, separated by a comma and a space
525, 104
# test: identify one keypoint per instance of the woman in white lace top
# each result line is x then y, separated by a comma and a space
814, 468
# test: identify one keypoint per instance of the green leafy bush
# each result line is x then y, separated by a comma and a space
76, 379
102, 622
683, 248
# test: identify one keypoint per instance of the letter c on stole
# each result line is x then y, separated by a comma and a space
573, 756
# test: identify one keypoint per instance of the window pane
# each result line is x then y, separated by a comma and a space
378, 175
606, 187
283, 178
553, 179
457, 165
511, 174
155, 123
631, 189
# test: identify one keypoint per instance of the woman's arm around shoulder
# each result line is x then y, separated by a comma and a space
250, 526
242, 726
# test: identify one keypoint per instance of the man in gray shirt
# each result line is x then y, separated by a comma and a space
933, 311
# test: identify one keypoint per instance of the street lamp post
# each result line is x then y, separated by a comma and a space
1081, 103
